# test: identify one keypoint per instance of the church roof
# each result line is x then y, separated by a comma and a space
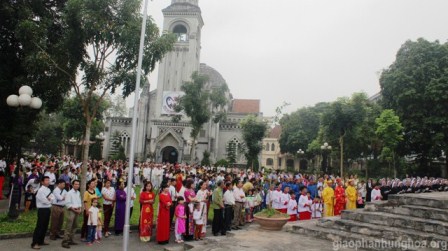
182, 7
246, 106
275, 132
214, 77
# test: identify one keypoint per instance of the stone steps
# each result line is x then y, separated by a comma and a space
437, 200
344, 239
394, 220
378, 231
413, 211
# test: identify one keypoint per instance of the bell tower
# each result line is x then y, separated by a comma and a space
183, 18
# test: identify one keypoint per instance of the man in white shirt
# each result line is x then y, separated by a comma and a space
57, 210
44, 198
240, 199
52, 176
73, 204
173, 195
229, 203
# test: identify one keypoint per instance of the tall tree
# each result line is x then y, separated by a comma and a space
300, 128
415, 86
201, 105
253, 130
110, 30
342, 118
390, 131
25, 28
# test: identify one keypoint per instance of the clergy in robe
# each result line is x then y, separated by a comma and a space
339, 194
147, 198
304, 207
328, 197
376, 193
352, 195
163, 219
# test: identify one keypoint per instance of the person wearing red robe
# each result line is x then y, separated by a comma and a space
147, 198
163, 219
179, 180
339, 201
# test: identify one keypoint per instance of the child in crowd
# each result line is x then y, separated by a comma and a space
316, 208
250, 202
198, 222
180, 219
92, 222
99, 226
292, 207
114, 181
319, 191
360, 201
257, 201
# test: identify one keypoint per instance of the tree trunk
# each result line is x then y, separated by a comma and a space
341, 143
85, 156
394, 166
445, 168
193, 150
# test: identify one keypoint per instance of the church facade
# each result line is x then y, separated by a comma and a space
160, 139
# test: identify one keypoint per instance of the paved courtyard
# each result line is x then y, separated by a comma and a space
250, 238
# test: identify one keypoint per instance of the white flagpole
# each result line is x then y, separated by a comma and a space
134, 132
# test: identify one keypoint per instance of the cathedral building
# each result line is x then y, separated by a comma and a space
160, 139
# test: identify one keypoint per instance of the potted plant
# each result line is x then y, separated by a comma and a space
271, 219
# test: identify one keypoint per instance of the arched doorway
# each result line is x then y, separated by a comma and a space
170, 155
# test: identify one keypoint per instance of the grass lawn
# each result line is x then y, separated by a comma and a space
27, 221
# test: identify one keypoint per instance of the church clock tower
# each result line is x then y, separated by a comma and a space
183, 18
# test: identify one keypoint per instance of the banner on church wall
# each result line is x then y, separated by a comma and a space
169, 102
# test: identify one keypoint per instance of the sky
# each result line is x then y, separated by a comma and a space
307, 51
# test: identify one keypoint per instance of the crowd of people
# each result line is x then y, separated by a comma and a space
186, 194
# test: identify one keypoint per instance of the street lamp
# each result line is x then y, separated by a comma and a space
326, 149
101, 137
24, 100
300, 153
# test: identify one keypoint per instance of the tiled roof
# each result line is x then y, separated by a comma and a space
246, 106
275, 132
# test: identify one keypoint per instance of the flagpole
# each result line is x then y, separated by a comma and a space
134, 132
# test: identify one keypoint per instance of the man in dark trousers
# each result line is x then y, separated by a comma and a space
218, 209
44, 197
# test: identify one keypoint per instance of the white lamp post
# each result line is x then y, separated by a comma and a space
24, 100
101, 137
300, 153
326, 148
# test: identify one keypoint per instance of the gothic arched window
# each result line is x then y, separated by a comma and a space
181, 33
269, 162
267, 147
273, 147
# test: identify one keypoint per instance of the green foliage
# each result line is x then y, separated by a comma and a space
231, 149
201, 104
389, 129
120, 155
415, 86
74, 126
206, 159
49, 136
253, 131
271, 213
222, 162
300, 128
